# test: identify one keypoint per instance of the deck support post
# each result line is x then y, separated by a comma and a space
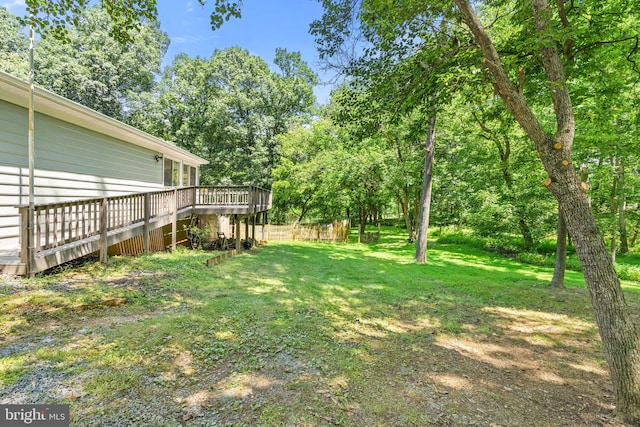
246, 228
174, 220
238, 240
104, 229
253, 230
264, 222
147, 214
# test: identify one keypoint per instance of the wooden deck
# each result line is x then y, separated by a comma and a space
61, 232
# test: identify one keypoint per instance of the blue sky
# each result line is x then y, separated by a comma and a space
265, 25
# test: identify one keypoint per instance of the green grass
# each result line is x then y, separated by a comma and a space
627, 265
296, 333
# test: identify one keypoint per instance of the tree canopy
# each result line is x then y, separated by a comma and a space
230, 110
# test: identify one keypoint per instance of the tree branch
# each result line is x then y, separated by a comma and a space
568, 44
606, 42
508, 92
555, 74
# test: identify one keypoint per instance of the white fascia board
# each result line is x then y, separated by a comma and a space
16, 91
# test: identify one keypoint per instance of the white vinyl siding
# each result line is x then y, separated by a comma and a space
79, 154
71, 163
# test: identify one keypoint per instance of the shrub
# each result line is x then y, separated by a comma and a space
628, 272
535, 259
461, 238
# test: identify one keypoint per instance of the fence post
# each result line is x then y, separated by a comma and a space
174, 219
195, 200
147, 214
104, 229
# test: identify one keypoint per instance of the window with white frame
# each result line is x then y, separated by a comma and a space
192, 175
177, 174
188, 175
171, 173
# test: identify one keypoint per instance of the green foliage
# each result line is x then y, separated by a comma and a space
196, 235
305, 180
223, 11
324, 172
628, 268
230, 110
13, 46
95, 70
52, 18
628, 271
89, 66
461, 238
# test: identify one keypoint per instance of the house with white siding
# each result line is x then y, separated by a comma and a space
79, 154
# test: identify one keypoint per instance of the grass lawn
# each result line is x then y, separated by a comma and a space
307, 334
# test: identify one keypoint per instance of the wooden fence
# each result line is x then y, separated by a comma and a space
338, 231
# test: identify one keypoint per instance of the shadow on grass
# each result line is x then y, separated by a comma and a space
320, 334
365, 337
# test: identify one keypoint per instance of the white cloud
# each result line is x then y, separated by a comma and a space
192, 39
15, 6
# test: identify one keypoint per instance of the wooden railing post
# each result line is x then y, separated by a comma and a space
195, 198
174, 219
27, 241
250, 198
104, 230
147, 215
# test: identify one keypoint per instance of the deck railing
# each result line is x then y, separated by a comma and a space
59, 224
256, 198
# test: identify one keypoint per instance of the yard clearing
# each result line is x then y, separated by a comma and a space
307, 334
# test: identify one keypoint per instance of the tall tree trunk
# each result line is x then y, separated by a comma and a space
403, 199
423, 227
622, 207
561, 253
415, 215
613, 204
364, 213
617, 329
563, 236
